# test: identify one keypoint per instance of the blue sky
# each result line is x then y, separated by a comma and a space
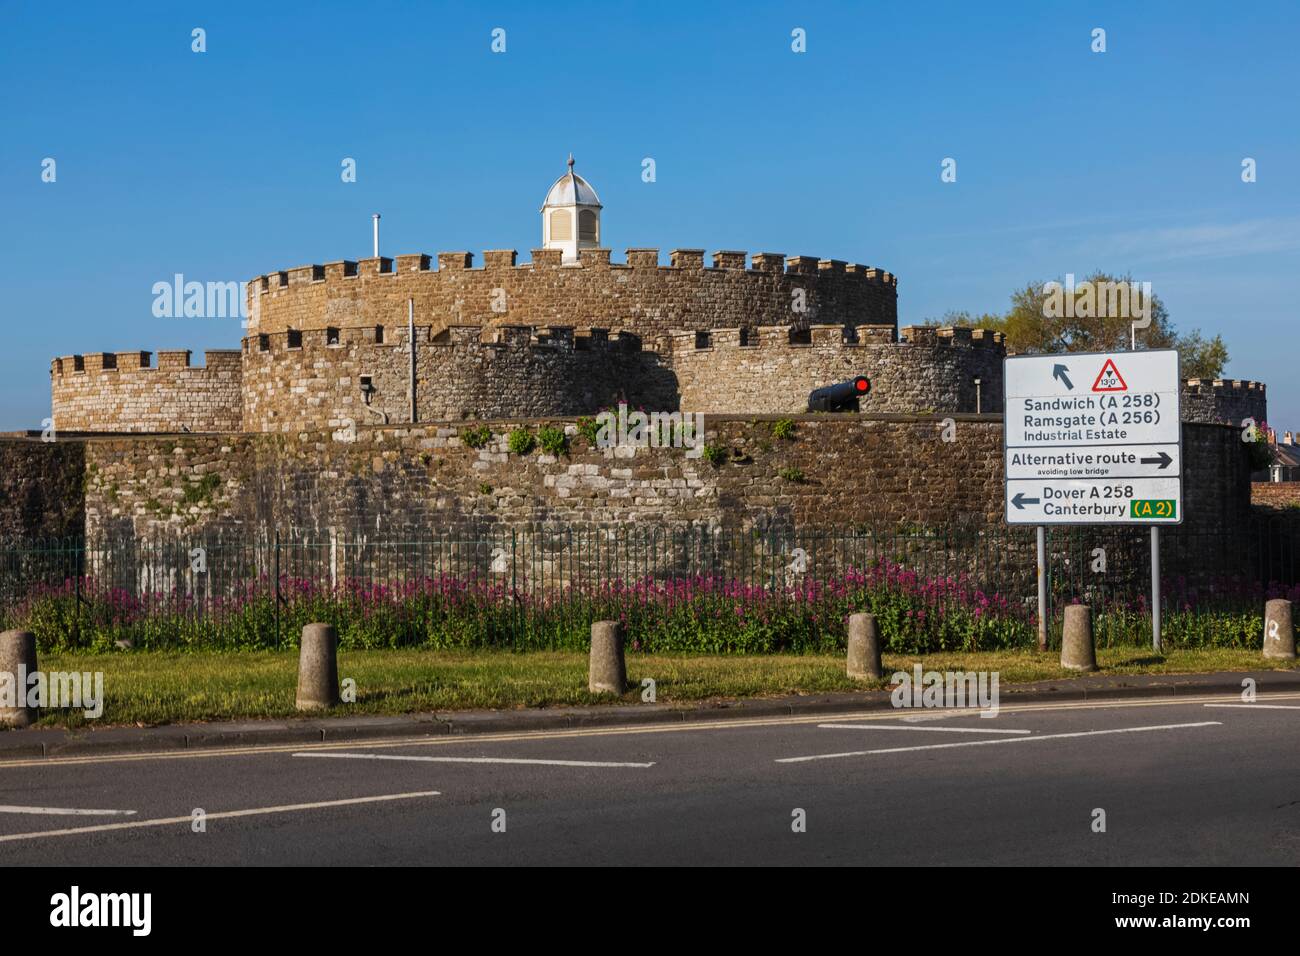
225, 165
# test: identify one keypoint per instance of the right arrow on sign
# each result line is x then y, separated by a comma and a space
1020, 500
1162, 459
1058, 372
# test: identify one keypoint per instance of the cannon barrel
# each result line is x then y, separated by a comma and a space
840, 397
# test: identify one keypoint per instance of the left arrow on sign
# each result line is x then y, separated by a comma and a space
1020, 500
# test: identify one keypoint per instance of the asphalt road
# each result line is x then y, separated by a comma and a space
1181, 782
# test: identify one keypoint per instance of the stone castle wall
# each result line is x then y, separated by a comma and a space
733, 371
1226, 402
833, 480
122, 392
415, 481
639, 295
462, 373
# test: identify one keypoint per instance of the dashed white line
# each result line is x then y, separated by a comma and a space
1001, 740
931, 730
523, 760
218, 815
67, 812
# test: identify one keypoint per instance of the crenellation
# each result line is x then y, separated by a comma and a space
414, 262
1226, 401
173, 359
454, 261
774, 375
547, 258
729, 259
499, 258
121, 391
132, 360
643, 258
801, 265
692, 259
826, 334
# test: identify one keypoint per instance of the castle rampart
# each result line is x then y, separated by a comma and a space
122, 392
772, 369
639, 294
325, 378
1225, 401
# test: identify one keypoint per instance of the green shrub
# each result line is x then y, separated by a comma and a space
792, 474
476, 437
589, 429
553, 440
783, 428
715, 455
520, 441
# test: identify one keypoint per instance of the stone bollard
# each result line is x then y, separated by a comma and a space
864, 647
318, 667
1077, 651
18, 660
1279, 630
608, 671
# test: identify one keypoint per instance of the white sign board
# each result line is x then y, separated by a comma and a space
1093, 438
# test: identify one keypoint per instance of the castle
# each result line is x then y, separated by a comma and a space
346, 407
569, 333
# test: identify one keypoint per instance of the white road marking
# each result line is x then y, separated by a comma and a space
218, 815
67, 811
931, 730
1003, 740
525, 760
704, 724
1257, 706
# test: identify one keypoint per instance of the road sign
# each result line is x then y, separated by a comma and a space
1093, 438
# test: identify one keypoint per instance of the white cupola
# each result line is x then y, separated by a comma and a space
571, 215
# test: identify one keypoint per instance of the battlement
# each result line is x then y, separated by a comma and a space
1224, 401
124, 392
1223, 386
640, 294
169, 360
547, 337
501, 259
772, 369
833, 336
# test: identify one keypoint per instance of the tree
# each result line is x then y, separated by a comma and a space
1096, 315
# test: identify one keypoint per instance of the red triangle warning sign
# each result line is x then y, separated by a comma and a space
1109, 379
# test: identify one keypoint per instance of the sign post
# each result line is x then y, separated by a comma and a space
1094, 438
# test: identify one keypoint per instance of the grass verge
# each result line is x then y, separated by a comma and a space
147, 688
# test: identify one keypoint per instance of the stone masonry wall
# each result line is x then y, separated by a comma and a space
639, 295
1275, 494
462, 373
1226, 402
836, 473
41, 489
121, 392
932, 370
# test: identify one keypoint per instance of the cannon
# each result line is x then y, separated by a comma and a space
841, 397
